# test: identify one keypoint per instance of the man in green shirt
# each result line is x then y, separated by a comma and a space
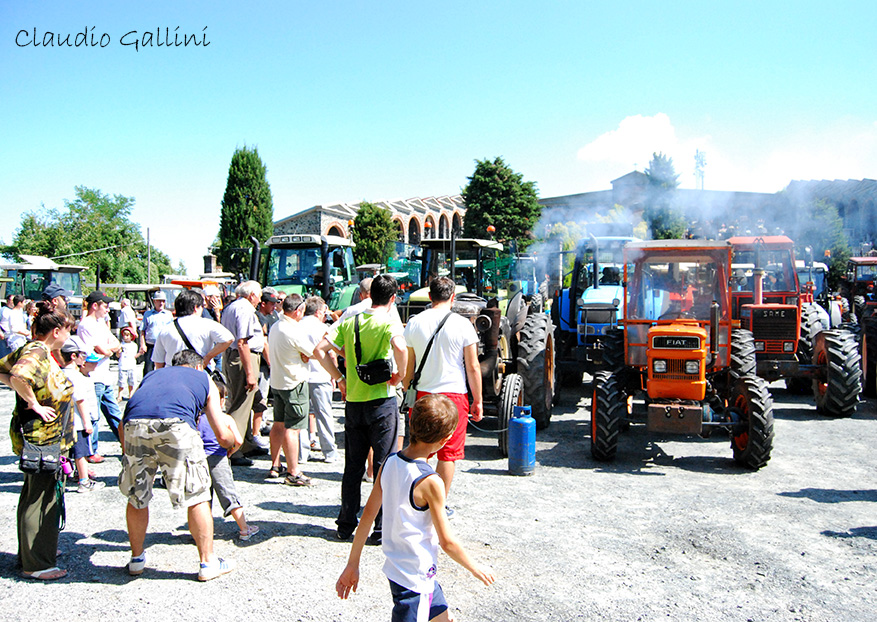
371, 412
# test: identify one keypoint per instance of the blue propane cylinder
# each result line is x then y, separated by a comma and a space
522, 442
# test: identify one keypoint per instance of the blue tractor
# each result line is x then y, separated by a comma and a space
586, 313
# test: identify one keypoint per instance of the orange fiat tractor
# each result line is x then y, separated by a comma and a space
685, 369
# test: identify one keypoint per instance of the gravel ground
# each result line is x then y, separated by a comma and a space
671, 530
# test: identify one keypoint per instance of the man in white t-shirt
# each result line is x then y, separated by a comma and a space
319, 381
127, 317
452, 360
94, 330
206, 337
365, 302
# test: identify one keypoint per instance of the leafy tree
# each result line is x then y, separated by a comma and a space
665, 220
373, 233
498, 196
247, 207
99, 226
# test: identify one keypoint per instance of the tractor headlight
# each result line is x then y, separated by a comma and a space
692, 367
788, 346
759, 346
659, 366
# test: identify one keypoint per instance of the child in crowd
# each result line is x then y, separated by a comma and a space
127, 361
412, 497
85, 400
221, 475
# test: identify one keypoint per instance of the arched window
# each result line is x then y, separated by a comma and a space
458, 224
334, 230
413, 231
400, 230
429, 228
444, 231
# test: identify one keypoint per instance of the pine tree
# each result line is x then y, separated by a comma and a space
247, 208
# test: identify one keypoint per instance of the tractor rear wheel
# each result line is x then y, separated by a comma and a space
607, 410
742, 353
512, 395
869, 357
859, 307
536, 366
752, 434
837, 389
810, 327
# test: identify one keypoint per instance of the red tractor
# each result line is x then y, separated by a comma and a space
789, 339
683, 369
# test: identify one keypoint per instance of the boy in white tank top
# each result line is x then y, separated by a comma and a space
415, 522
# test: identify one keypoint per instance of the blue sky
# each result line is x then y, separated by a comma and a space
390, 100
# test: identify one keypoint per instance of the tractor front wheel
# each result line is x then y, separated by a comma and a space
752, 434
607, 409
512, 395
742, 353
839, 384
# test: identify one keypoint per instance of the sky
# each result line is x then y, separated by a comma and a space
351, 101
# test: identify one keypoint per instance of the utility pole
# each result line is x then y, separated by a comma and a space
699, 164
148, 258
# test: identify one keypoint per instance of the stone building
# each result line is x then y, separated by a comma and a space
418, 218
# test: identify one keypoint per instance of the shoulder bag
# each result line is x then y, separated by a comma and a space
214, 374
374, 372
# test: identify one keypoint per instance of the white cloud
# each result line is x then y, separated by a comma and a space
844, 149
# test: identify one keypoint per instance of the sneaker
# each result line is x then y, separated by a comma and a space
214, 569
251, 531
137, 564
368, 479
89, 485
330, 459
374, 540
344, 534
450, 512
298, 480
315, 446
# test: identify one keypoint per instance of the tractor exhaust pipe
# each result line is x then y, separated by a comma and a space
595, 261
255, 257
714, 331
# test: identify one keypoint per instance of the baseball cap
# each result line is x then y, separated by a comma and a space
94, 357
74, 344
54, 290
160, 295
211, 290
268, 297
97, 296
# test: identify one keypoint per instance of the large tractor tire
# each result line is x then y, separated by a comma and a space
837, 391
608, 404
810, 327
512, 395
869, 357
742, 353
752, 434
613, 349
859, 307
536, 366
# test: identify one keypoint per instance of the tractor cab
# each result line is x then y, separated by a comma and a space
677, 314
308, 264
767, 298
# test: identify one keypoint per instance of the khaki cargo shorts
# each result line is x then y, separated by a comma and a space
176, 448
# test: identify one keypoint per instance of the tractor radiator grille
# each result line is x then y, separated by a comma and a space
775, 328
675, 371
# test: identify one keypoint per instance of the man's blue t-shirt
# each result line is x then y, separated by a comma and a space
168, 393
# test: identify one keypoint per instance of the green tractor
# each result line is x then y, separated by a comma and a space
309, 264
516, 348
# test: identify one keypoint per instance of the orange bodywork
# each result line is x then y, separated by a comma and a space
676, 345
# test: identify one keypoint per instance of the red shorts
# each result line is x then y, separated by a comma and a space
454, 449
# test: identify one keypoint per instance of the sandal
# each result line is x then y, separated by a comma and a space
251, 531
49, 574
275, 472
298, 480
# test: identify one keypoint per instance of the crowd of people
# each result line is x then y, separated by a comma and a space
211, 375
